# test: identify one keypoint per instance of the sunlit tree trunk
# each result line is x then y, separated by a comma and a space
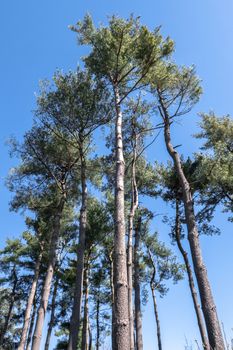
32, 324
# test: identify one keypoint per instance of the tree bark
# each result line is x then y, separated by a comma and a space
137, 300
76, 312
121, 315
156, 317
134, 205
207, 301
109, 256
48, 279
97, 323
201, 325
85, 330
52, 317
31, 298
32, 323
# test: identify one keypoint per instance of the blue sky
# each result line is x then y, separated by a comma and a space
35, 41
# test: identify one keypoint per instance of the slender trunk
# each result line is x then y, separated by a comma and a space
90, 336
85, 337
121, 315
134, 205
197, 308
48, 279
32, 323
52, 317
76, 312
11, 305
156, 317
97, 323
207, 301
31, 298
112, 294
137, 300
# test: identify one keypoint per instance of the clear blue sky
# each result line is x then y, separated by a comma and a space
35, 41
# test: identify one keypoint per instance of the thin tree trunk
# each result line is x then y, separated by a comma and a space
85, 335
90, 336
197, 308
32, 323
207, 300
97, 323
121, 315
11, 305
52, 317
112, 294
137, 300
31, 298
48, 279
76, 312
156, 317
134, 205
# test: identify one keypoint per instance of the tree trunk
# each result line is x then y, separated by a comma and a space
52, 317
85, 334
134, 205
112, 294
156, 317
207, 301
137, 300
97, 323
48, 279
90, 336
31, 298
76, 312
121, 316
197, 308
32, 323
11, 305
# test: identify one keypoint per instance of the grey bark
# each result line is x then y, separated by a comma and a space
207, 300
97, 323
121, 317
156, 317
201, 325
85, 330
52, 316
76, 312
48, 279
31, 298
137, 300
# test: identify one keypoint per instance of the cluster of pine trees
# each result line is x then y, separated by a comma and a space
88, 259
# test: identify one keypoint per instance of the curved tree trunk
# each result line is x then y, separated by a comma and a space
31, 298
207, 300
48, 279
85, 330
121, 317
52, 317
137, 300
76, 312
197, 308
156, 317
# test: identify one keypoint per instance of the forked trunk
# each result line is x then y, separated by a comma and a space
48, 279
31, 298
197, 308
76, 312
52, 317
138, 311
207, 301
121, 316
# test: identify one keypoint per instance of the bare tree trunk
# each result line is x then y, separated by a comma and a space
11, 305
85, 333
48, 279
134, 205
90, 336
197, 308
97, 323
207, 301
112, 293
32, 323
156, 317
31, 298
52, 317
121, 315
137, 300
76, 312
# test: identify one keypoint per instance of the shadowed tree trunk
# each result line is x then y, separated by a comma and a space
90, 336
197, 308
76, 312
32, 324
48, 279
97, 323
207, 300
31, 298
137, 300
52, 317
121, 316
85, 330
